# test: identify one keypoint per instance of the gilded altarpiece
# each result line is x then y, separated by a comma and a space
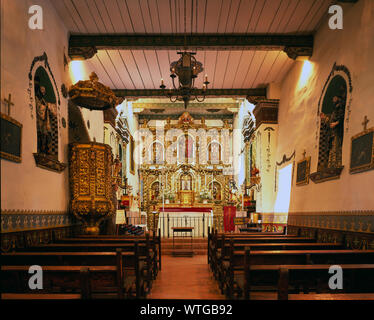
186, 177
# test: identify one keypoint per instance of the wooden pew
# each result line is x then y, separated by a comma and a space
153, 245
40, 296
242, 260
154, 241
63, 280
127, 264
217, 253
213, 237
145, 254
14, 283
223, 259
357, 279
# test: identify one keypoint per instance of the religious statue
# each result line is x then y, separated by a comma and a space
157, 151
185, 118
334, 126
216, 192
186, 182
254, 172
46, 119
155, 191
116, 173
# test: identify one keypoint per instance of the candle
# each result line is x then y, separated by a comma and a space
206, 78
162, 81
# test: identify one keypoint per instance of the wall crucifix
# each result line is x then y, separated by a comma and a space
9, 103
365, 123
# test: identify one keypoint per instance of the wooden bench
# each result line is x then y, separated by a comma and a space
130, 268
314, 296
216, 249
306, 278
242, 260
215, 238
153, 246
145, 254
154, 242
223, 257
105, 280
40, 296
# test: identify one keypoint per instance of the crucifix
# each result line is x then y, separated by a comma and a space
365, 123
9, 102
304, 153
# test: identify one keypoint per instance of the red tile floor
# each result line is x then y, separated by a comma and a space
185, 278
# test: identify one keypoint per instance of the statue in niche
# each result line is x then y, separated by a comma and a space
186, 182
155, 191
332, 124
214, 152
46, 112
158, 153
216, 192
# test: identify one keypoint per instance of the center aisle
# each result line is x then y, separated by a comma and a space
185, 278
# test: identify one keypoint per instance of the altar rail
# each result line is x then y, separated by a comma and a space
166, 222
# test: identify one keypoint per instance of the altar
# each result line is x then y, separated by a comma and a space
199, 217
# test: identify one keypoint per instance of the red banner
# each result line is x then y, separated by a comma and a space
229, 213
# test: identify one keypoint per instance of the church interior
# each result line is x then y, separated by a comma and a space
187, 149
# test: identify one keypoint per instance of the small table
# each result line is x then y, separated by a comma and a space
182, 230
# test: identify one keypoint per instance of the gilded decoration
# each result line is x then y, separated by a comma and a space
192, 179
91, 183
93, 95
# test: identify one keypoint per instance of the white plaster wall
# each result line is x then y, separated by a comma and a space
267, 167
96, 119
353, 47
23, 185
132, 119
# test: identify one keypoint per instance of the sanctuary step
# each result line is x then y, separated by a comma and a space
199, 246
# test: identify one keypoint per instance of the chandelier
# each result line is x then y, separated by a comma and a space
187, 69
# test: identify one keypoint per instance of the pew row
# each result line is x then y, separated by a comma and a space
242, 262
128, 281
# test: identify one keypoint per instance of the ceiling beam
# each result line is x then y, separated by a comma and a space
85, 46
146, 93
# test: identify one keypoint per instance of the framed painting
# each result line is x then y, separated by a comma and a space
362, 151
132, 162
303, 171
11, 139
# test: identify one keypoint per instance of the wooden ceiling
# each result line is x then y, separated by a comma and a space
226, 69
